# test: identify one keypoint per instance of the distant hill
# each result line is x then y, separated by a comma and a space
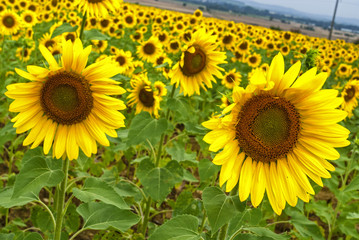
296, 13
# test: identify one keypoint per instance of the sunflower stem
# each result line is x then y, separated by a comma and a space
147, 215
61, 190
223, 232
83, 26
163, 134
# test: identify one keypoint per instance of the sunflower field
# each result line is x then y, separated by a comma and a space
119, 121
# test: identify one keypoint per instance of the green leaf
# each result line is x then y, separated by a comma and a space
100, 216
264, 232
219, 207
7, 133
33, 236
7, 202
41, 219
126, 189
186, 204
66, 27
353, 185
349, 228
304, 226
162, 65
7, 236
353, 215
184, 227
157, 182
37, 173
207, 169
180, 106
178, 152
95, 34
31, 153
96, 189
144, 127
176, 169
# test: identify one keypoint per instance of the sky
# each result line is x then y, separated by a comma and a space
346, 8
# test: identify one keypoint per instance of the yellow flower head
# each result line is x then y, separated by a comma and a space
279, 131
67, 105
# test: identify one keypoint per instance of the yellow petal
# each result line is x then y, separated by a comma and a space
245, 179
50, 137
48, 56
72, 149
258, 185
60, 140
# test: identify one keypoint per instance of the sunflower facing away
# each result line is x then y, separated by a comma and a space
198, 63
67, 105
279, 131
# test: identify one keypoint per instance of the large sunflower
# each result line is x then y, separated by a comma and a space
98, 8
145, 96
198, 63
67, 105
350, 95
279, 131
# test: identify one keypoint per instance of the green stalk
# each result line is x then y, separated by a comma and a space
158, 157
83, 26
61, 190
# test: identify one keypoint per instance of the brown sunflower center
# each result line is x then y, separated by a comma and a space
230, 78
350, 93
28, 18
149, 48
66, 98
267, 127
129, 19
146, 97
194, 62
121, 60
160, 60
253, 59
162, 37
174, 45
243, 46
8, 21
227, 39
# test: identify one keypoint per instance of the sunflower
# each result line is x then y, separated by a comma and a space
254, 60
99, 46
98, 8
350, 95
144, 96
150, 50
344, 70
10, 22
174, 46
24, 53
198, 63
129, 19
29, 18
225, 102
67, 106
231, 79
279, 130
124, 59
47, 41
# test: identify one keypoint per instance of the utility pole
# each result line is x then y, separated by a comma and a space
332, 25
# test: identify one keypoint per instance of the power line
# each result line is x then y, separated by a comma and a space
332, 25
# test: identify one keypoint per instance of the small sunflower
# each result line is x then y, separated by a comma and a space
278, 132
124, 59
68, 105
10, 22
254, 60
24, 53
150, 50
129, 20
144, 96
198, 63
29, 18
350, 95
98, 8
231, 79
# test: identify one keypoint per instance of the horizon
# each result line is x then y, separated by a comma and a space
347, 9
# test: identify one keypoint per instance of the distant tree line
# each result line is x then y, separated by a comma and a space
241, 8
